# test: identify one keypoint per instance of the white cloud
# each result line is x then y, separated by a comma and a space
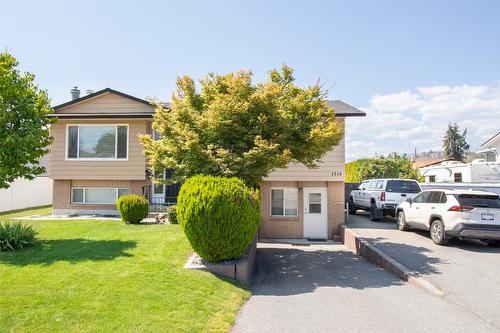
407, 120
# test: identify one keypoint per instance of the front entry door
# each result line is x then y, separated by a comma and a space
315, 213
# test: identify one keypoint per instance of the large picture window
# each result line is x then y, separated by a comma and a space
97, 141
284, 201
95, 195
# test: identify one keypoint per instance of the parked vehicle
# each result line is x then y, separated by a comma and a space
381, 196
453, 213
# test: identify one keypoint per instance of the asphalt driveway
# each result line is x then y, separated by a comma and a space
467, 271
325, 288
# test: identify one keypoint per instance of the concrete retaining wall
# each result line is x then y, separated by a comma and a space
240, 270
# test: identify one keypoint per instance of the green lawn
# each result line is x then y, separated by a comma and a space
104, 276
41, 210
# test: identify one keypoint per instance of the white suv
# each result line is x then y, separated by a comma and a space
381, 196
450, 213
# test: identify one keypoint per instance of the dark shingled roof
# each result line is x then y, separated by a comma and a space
490, 139
345, 110
341, 109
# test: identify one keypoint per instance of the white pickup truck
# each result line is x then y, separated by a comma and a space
380, 197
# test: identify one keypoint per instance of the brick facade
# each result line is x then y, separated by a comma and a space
293, 227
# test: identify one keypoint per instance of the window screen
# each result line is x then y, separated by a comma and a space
121, 149
277, 202
72, 141
314, 203
78, 195
284, 202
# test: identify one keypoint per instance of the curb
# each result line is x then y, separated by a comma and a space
364, 248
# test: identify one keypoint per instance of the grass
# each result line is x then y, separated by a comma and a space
103, 276
41, 210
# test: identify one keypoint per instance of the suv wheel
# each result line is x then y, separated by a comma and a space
402, 221
352, 207
374, 213
437, 232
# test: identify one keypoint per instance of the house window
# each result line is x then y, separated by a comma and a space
156, 135
432, 179
96, 195
458, 177
284, 201
96, 142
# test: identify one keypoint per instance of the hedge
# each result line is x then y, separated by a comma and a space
219, 216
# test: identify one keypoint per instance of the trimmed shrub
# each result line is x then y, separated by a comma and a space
172, 214
219, 216
16, 235
132, 208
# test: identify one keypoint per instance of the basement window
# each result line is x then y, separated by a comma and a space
96, 195
284, 201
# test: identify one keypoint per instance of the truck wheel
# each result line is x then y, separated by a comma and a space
402, 222
438, 235
374, 213
492, 243
352, 207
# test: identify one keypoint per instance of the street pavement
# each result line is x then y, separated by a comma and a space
468, 271
327, 288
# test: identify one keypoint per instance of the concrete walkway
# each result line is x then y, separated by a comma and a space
325, 288
467, 271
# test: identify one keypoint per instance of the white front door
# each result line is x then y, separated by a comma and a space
315, 213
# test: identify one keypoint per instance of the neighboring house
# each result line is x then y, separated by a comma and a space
491, 149
422, 162
298, 202
96, 157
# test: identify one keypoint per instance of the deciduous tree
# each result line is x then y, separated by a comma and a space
24, 125
233, 127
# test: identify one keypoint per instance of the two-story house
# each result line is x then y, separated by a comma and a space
97, 156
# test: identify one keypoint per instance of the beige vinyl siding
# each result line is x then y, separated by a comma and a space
330, 168
107, 103
131, 169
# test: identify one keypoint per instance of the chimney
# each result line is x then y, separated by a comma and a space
75, 93
89, 91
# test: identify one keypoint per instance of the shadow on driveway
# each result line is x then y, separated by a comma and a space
291, 271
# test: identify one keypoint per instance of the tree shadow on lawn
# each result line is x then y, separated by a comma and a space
76, 250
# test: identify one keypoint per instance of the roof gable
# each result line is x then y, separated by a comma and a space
491, 141
343, 109
105, 102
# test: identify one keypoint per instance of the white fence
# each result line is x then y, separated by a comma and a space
24, 193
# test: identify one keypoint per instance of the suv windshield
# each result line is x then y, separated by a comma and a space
486, 201
402, 186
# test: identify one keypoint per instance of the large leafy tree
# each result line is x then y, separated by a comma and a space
394, 166
455, 144
233, 127
24, 125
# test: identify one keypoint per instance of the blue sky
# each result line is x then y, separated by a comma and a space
402, 62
